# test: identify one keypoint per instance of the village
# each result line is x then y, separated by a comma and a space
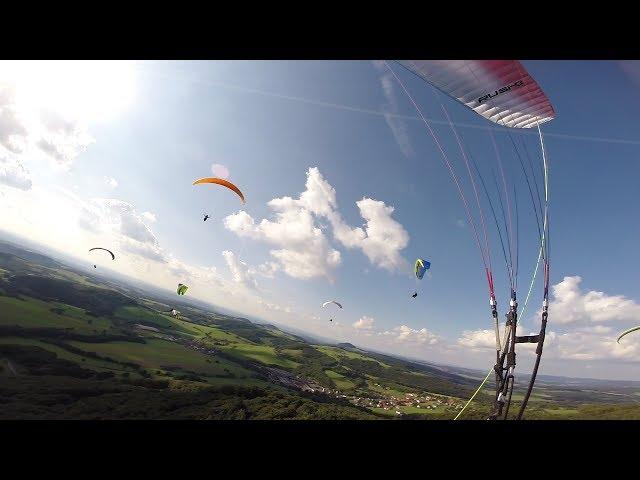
393, 402
386, 402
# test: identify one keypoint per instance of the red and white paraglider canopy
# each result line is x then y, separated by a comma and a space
500, 90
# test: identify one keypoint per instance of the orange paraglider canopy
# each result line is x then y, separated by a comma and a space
223, 182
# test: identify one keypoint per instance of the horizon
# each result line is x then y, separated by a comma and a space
288, 328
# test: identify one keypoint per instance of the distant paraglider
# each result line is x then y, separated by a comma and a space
420, 267
182, 289
223, 182
113, 257
175, 313
329, 303
627, 332
206, 217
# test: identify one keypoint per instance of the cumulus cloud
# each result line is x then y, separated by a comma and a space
593, 319
22, 125
587, 345
273, 306
364, 323
62, 138
129, 223
268, 269
485, 339
149, 251
304, 249
150, 217
12, 128
191, 273
219, 170
570, 305
403, 333
382, 237
110, 182
478, 339
121, 219
63, 149
13, 174
240, 271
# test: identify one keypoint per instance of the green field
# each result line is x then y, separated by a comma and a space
261, 353
157, 353
380, 388
86, 362
31, 312
562, 412
339, 353
342, 383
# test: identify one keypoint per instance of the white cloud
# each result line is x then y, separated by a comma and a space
268, 269
121, 219
319, 197
382, 237
586, 345
62, 139
241, 224
13, 174
592, 317
485, 339
304, 250
364, 323
478, 339
146, 250
149, 217
403, 333
240, 271
272, 306
572, 306
219, 170
12, 128
26, 122
110, 182
128, 222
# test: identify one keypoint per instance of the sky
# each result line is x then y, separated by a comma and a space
344, 189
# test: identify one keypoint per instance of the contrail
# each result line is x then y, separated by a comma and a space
379, 113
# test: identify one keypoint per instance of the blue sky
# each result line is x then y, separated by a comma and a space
118, 171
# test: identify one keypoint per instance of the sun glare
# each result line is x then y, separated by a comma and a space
83, 90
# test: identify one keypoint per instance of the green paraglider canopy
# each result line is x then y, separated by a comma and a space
182, 288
